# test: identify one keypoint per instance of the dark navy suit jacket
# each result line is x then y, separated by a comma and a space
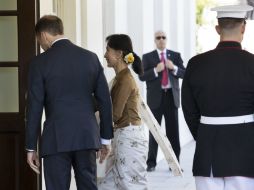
64, 80
153, 83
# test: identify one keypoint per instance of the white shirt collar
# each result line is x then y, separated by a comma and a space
63, 38
159, 51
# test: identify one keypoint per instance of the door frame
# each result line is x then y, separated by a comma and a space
27, 14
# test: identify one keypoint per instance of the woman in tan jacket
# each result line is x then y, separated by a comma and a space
130, 143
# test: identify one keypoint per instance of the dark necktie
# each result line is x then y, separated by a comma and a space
164, 80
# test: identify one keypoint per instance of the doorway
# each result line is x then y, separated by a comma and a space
17, 48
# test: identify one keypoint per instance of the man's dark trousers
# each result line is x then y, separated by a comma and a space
167, 109
84, 166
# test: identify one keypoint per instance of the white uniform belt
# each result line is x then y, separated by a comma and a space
227, 120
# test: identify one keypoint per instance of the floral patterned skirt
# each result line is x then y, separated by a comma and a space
127, 163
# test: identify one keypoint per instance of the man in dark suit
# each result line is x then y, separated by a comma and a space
162, 68
218, 105
64, 80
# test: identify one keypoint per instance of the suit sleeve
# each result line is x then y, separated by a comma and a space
148, 70
35, 105
189, 105
181, 69
104, 105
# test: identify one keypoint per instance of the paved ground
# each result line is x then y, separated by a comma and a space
161, 179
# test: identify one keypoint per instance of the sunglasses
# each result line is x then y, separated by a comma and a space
160, 37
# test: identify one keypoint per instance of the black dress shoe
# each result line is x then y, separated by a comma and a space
150, 168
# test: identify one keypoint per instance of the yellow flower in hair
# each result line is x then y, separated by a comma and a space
129, 58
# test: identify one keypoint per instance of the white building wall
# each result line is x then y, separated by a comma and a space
46, 7
94, 34
181, 33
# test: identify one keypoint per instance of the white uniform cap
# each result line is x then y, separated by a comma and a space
232, 11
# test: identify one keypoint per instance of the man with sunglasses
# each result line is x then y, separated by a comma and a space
162, 69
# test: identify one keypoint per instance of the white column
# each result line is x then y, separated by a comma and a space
189, 30
175, 19
78, 22
148, 25
68, 11
135, 30
158, 15
109, 27
182, 27
108, 17
166, 18
182, 39
94, 28
134, 23
121, 16
46, 7
83, 29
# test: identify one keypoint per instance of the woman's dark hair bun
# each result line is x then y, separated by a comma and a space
137, 66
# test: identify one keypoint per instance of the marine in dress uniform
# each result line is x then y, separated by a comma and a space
218, 105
